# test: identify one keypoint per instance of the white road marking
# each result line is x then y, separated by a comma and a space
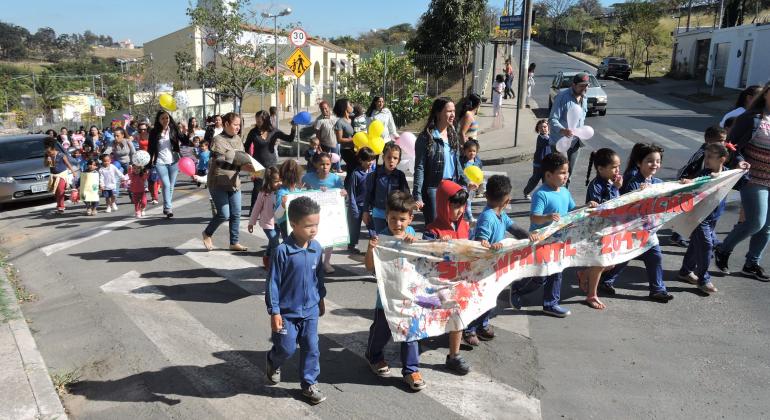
103, 230
475, 394
184, 341
657, 138
616, 138
691, 134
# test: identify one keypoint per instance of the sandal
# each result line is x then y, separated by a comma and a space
595, 303
582, 281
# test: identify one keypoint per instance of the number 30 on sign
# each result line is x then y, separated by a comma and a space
298, 37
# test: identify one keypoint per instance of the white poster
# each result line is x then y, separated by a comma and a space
333, 227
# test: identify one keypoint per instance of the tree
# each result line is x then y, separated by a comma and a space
13, 41
184, 66
241, 62
450, 28
49, 90
592, 7
559, 16
640, 19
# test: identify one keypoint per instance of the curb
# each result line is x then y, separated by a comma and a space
505, 160
40, 385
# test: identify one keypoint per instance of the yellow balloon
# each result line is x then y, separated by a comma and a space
360, 140
167, 102
474, 174
376, 144
376, 128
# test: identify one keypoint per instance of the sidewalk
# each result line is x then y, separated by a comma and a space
26, 390
497, 142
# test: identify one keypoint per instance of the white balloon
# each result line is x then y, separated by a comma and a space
141, 158
181, 99
584, 133
574, 114
406, 165
563, 144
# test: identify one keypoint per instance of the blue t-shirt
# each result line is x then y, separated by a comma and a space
278, 199
203, 160
449, 162
312, 181
409, 231
547, 201
492, 227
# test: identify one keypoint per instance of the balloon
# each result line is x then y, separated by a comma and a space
187, 166
376, 128
376, 144
303, 118
335, 157
360, 140
74, 196
141, 158
406, 165
406, 141
181, 100
474, 174
167, 102
574, 114
563, 145
583, 133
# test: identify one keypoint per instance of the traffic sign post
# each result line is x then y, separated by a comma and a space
298, 37
298, 63
511, 22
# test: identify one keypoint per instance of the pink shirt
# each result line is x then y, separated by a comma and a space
263, 211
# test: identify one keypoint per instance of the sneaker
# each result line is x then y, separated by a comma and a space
353, 250
88, 212
708, 288
328, 269
688, 277
556, 311
114, 207
720, 260
527, 197
108, 209
154, 202
755, 271
138, 215
678, 240
471, 338
514, 299
415, 381
273, 375
143, 213
662, 297
485, 334
457, 365
314, 394
169, 213
380, 368
607, 289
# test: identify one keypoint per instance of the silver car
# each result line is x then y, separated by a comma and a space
23, 175
597, 98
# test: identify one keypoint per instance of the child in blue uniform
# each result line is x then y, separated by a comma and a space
385, 179
295, 298
470, 157
356, 185
542, 149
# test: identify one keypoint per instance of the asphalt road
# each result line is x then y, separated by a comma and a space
158, 328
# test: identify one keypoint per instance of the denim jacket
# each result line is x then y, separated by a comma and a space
429, 167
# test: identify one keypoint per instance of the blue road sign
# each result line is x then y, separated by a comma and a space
511, 22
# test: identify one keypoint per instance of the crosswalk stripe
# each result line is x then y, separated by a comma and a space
475, 394
185, 342
616, 138
692, 134
657, 138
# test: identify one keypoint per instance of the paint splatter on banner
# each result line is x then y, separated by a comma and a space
429, 288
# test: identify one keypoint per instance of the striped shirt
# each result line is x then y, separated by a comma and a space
757, 153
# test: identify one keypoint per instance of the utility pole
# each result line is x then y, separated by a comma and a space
523, 62
384, 71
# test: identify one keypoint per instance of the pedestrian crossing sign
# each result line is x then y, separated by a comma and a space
298, 62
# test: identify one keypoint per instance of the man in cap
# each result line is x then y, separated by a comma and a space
575, 96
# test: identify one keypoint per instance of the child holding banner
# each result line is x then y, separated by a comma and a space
399, 215
646, 159
323, 179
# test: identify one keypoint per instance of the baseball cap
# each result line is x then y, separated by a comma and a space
580, 78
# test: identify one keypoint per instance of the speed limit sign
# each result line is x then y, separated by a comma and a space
298, 37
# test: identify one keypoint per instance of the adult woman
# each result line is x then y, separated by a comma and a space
377, 111
193, 129
744, 101
224, 181
468, 128
343, 130
437, 157
324, 128
263, 137
508, 80
215, 129
94, 138
122, 149
164, 155
751, 134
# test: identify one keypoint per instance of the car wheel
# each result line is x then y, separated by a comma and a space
599, 75
626, 76
603, 112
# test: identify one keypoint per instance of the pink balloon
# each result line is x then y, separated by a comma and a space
406, 141
187, 166
335, 157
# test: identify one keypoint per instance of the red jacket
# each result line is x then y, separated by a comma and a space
442, 226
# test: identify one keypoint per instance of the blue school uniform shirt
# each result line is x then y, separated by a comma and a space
381, 184
547, 201
357, 187
542, 149
492, 227
409, 231
601, 190
312, 181
717, 213
295, 282
635, 182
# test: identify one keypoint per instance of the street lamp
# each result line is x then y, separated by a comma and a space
275, 16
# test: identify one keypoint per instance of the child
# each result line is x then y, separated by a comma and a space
542, 149
449, 224
59, 165
323, 179
399, 215
646, 157
356, 184
291, 174
109, 182
551, 201
359, 119
497, 95
604, 187
385, 179
138, 176
202, 168
696, 260
470, 158
78, 160
295, 298
490, 230
314, 147
88, 186
530, 81
264, 211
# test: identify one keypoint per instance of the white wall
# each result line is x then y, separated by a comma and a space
759, 66
687, 43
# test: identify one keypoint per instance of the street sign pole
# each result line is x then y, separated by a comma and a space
523, 64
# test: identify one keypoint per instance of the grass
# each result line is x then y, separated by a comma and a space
6, 314
22, 295
63, 380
